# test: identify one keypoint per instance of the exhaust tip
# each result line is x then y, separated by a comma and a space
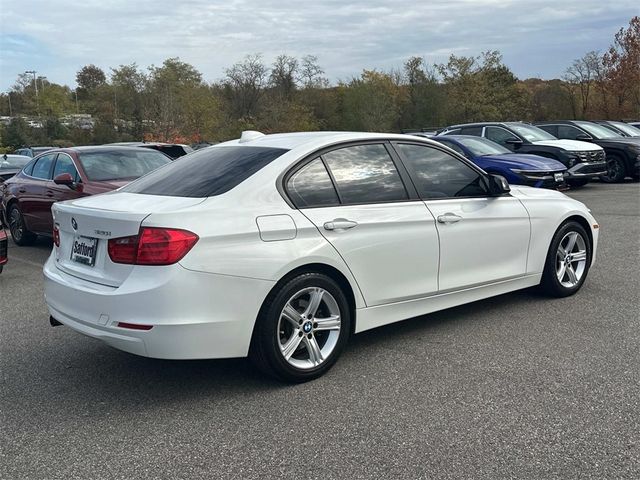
54, 322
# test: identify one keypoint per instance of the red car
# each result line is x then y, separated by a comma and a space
65, 174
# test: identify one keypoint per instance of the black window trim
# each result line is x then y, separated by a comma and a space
283, 178
456, 155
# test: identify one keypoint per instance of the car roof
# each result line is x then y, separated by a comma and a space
291, 141
97, 148
142, 144
483, 124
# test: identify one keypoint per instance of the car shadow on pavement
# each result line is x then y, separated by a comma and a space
85, 366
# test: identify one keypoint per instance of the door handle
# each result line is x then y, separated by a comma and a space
339, 224
22, 190
449, 218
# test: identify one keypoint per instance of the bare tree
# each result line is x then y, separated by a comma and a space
244, 84
582, 74
283, 75
311, 74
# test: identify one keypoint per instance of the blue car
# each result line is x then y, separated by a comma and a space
518, 169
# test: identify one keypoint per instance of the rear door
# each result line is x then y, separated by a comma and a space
358, 200
483, 239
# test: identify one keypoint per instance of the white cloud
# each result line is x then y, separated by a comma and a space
536, 37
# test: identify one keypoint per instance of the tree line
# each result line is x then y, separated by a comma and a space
173, 102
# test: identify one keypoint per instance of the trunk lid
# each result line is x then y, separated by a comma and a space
86, 225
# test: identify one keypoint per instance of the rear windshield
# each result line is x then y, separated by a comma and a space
14, 161
121, 164
207, 172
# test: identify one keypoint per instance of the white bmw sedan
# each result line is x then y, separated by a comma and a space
280, 247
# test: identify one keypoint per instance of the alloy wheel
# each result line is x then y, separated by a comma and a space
15, 224
615, 170
571, 259
309, 328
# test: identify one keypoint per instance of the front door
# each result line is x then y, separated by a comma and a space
483, 239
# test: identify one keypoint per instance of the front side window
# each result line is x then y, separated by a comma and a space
64, 164
499, 135
105, 165
42, 167
438, 174
311, 186
365, 174
207, 172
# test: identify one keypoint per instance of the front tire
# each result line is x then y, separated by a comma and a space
302, 328
616, 170
19, 233
568, 261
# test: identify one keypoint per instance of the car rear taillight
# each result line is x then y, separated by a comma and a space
56, 236
152, 246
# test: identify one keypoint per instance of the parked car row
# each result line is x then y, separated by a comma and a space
64, 174
606, 149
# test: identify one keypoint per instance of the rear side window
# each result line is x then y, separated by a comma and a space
567, 132
206, 172
438, 174
311, 186
365, 174
552, 129
42, 167
475, 131
29, 168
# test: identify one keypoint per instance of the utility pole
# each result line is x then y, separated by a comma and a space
10, 109
35, 84
76, 92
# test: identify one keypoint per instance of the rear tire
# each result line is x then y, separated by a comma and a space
568, 261
19, 233
616, 170
302, 329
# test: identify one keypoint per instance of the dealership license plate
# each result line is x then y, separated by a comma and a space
558, 177
84, 250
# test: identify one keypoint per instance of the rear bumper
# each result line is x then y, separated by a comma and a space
193, 315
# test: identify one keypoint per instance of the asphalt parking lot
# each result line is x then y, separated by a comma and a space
517, 386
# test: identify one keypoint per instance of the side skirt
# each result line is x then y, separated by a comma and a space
372, 317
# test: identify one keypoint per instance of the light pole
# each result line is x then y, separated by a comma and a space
10, 109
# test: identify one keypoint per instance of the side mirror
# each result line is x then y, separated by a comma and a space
516, 142
498, 185
583, 137
65, 179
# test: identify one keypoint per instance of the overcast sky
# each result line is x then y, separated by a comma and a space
537, 37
